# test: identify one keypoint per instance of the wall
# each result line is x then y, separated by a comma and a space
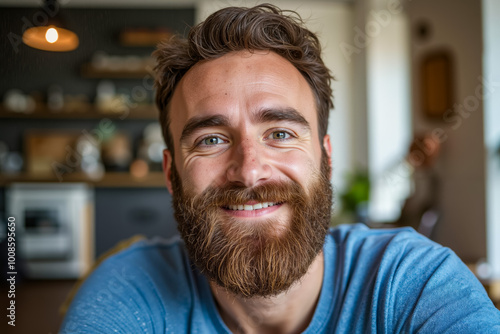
491, 24
388, 108
457, 26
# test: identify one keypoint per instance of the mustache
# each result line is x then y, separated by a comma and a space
233, 194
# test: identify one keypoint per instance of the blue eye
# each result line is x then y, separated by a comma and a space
212, 141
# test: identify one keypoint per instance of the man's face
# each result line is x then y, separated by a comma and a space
250, 180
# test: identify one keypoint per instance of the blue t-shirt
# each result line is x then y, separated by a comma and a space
375, 281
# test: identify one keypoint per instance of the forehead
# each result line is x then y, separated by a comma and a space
259, 67
240, 82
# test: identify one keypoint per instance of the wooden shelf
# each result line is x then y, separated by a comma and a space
111, 179
147, 112
143, 37
89, 71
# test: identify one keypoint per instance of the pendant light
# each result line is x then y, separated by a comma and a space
52, 36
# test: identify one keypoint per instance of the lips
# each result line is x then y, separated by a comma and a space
250, 207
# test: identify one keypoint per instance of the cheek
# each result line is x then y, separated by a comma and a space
297, 166
198, 175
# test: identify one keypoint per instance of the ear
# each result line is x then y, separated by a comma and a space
328, 149
167, 169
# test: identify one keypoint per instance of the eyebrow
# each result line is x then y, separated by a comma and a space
200, 122
281, 114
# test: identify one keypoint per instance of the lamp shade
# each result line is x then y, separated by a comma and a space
52, 36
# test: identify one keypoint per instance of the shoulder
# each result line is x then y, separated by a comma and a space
390, 253
360, 232
359, 240
362, 254
420, 285
128, 290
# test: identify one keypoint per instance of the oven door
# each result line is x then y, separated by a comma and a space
55, 227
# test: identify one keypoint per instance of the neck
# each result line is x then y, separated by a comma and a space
288, 312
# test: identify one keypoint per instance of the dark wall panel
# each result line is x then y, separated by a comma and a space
122, 213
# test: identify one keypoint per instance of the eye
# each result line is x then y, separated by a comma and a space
210, 141
280, 135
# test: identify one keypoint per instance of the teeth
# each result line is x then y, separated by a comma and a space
246, 207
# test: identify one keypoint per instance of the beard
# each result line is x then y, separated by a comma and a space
254, 258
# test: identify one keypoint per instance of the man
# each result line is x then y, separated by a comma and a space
244, 108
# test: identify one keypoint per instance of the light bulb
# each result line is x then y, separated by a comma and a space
51, 36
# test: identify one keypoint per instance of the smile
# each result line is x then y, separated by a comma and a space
247, 207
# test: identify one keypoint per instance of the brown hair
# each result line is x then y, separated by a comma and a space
263, 27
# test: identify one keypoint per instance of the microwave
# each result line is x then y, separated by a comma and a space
54, 227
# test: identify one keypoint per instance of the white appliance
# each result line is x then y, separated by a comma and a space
54, 227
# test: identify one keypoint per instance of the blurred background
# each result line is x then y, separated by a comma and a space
415, 129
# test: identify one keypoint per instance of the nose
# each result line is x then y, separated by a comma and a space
248, 166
